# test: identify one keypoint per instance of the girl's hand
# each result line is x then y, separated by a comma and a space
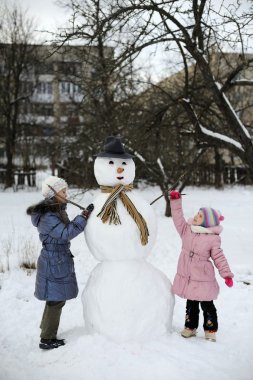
86, 213
229, 282
175, 194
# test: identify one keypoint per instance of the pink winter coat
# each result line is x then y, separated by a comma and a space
195, 278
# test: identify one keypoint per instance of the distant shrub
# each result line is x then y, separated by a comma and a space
28, 255
7, 248
18, 252
1, 266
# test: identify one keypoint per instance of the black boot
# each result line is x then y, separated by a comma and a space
49, 344
60, 342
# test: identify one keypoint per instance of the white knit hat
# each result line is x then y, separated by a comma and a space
56, 183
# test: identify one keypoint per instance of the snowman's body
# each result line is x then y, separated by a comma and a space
120, 242
126, 298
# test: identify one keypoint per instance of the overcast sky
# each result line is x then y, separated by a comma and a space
47, 14
50, 16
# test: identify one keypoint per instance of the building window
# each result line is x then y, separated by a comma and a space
69, 68
48, 110
69, 88
45, 68
77, 89
44, 88
27, 88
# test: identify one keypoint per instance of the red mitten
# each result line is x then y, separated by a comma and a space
175, 194
229, 282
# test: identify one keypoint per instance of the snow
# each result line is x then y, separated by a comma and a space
95, 357
128, 301
219, 85
245, 131
221, 137
124, 239
126, 298
136, 154
243, 82
159, 162
106, 171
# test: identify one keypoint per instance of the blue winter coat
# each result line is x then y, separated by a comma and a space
55, 279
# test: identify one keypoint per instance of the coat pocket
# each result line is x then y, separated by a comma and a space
60, 267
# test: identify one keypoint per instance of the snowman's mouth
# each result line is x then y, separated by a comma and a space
120, 177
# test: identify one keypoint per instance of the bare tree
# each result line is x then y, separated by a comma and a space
197, 29
104, 84
16, 60
159, 136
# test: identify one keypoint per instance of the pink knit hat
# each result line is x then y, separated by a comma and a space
212, 217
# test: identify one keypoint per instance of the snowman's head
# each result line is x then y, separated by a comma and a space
112, 171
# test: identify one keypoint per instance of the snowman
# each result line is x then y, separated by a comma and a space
126, 298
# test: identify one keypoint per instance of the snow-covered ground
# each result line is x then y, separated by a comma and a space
95, 357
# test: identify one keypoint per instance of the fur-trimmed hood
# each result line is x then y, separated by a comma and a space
217, 230
41, 208
47, 205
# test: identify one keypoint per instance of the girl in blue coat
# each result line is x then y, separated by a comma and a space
55, 279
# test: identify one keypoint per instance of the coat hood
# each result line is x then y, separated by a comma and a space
41, 208
216, 230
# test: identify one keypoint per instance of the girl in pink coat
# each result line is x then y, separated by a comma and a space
195, 279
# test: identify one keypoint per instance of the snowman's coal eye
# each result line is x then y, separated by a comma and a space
111, 162
124, 163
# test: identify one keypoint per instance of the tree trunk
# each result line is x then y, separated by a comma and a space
168, 209
218, 172
9, 178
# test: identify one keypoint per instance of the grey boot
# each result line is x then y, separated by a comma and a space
187, 333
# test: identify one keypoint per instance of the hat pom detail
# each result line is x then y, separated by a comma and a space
212, 217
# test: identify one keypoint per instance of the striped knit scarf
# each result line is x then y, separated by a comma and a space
109, 212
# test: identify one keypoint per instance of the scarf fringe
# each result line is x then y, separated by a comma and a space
109, 212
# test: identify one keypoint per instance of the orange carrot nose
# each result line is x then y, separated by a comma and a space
120, 170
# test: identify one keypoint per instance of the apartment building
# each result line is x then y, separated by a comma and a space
54, 90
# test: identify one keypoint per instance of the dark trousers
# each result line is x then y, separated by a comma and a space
51, 319
209, 312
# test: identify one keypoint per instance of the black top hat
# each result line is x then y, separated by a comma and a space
113, 147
